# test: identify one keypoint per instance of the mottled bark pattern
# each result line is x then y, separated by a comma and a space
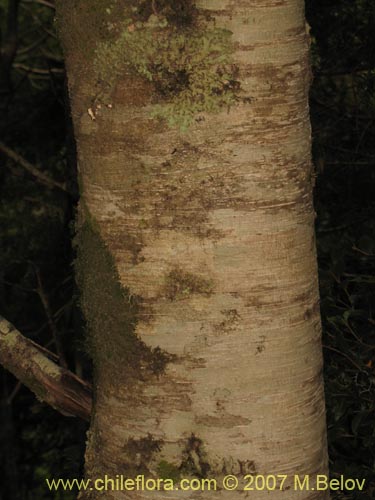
213, 232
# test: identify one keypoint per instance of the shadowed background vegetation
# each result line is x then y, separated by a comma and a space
37, 287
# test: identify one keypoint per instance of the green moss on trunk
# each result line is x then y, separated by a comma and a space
111, 311
167, 470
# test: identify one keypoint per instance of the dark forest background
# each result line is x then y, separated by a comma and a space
37, 288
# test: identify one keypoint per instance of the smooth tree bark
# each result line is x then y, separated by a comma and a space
195, 240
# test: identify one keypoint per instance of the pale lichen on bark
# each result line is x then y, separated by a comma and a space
186, 58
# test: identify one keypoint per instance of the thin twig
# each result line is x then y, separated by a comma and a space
34, 171
32, 46
9, 46
356, 249
38, 71
154, 9
41, 2
14, 393
47, 309
345, 356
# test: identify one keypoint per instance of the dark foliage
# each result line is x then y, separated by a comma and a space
343, 115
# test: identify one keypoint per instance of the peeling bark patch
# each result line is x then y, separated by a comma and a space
180, 284
129, 243
189, 197
261, 345
195, 460
230, 321
225, 420
244, 467
312, 312
140, 452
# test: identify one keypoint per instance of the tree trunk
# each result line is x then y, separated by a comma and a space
196, 252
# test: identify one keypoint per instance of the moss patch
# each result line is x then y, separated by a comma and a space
166, 470
188, 61
180, 284
111, 312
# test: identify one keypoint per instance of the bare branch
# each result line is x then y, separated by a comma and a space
34, 171
42, 2
32, 46
47, 309
38, 71
51, 383
9, 47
